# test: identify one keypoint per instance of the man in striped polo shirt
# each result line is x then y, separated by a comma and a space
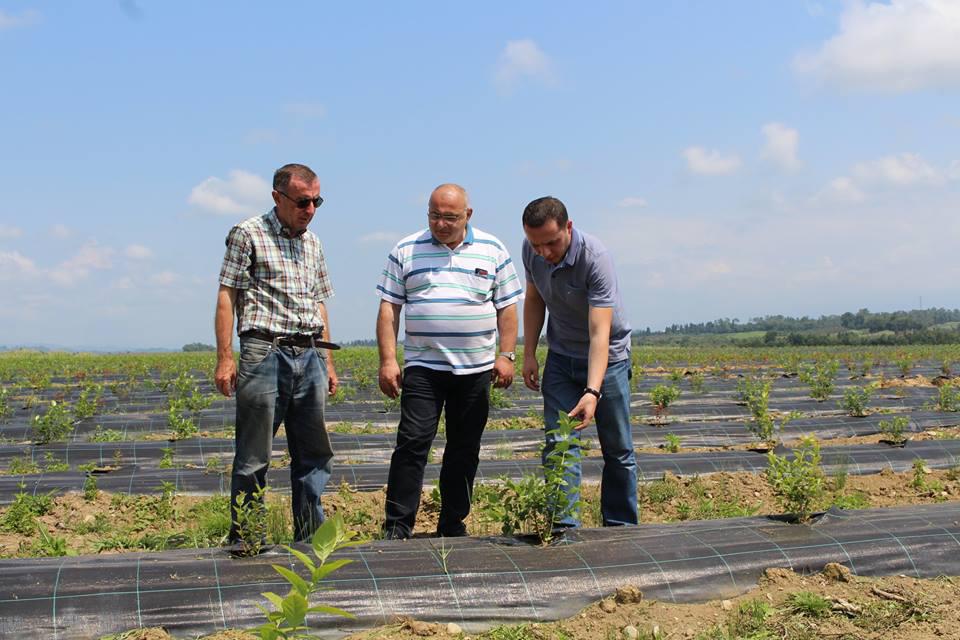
274, 280
461, 289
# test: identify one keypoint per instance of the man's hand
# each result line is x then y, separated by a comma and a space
502, 372
333, 382
225, 376
584, 410
531, 373
390, 379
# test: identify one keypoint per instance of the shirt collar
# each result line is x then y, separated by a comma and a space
467, 238
277, 227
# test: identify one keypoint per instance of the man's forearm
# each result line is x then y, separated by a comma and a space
507, 327
600, 322
326, 330
388, 325
223, 322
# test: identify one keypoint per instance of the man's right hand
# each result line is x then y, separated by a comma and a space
531, 373
390, 379
225, 376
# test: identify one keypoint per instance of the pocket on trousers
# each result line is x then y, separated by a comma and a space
253, 353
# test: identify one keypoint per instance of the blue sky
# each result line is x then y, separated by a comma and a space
739, 158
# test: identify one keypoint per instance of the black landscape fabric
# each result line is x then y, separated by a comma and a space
852, 459
480, 583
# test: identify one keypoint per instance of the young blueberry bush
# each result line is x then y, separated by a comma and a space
798, 483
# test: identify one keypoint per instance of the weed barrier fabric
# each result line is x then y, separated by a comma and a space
475, 582
376, 448
852, 459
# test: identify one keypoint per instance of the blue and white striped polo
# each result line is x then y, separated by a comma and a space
451, 297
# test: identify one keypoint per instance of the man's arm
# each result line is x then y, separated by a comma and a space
388, 325
225, 376
332, 381
507, 328
534, 313
600, 320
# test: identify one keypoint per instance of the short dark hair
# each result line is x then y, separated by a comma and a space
542, 209
281, 177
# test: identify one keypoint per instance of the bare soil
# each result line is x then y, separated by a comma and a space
854, 608
669, 500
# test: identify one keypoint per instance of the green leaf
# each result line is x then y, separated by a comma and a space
298, 583
295, 609
304, 558
320, 608
274, 598
321, 572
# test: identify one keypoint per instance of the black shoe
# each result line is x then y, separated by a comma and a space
396, 533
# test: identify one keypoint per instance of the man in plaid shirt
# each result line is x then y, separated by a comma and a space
274, 280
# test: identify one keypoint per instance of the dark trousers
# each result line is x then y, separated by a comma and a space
426, 392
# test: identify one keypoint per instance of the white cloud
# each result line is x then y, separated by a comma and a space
903, 170
780, 147
60, 230
90, 256
242, 193
14, 265
840, 190
521, 59
380, 237
164, 278
137, 252
125, 282
631, 202
306, 109
7, 231
23, 19
710, 162
898, 46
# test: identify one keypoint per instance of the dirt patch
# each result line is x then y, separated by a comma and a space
783, 605
912, 381
116, 523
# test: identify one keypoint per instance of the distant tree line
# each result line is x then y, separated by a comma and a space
897, 321
199, 346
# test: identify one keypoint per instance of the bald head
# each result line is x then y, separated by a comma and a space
450, 194
448, 212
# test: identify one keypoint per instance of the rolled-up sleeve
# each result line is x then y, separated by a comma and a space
235, 271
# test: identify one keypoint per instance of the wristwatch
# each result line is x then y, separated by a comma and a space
592, 392
509, 355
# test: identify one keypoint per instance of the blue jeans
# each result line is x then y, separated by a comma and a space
564, 379
282, 385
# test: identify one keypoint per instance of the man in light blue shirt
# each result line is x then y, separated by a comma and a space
587, 371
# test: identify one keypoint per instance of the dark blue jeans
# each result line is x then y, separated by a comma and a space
282, 385
563, 381
466, 402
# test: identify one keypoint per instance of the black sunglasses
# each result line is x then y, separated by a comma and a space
303, 203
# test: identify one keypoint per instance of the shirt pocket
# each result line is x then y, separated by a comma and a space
574, 295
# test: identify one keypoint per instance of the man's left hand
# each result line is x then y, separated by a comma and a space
333, 383
584, 410
502, 373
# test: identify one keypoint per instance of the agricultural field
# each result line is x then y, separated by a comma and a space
784, 492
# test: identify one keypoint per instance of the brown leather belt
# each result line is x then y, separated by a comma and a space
297, 340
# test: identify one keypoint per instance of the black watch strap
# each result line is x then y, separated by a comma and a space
593, 392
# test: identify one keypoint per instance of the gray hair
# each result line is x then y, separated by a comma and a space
281, 178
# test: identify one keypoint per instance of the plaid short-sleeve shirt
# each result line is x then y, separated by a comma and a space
280, 280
